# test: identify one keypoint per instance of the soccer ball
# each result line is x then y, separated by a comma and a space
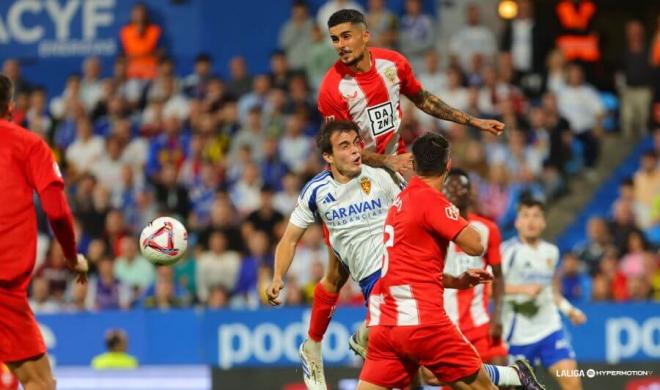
164, 241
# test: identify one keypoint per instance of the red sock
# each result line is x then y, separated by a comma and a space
323, 307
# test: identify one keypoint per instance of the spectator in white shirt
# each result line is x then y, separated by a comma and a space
246, 193
295, 146
472, 39
310, 251
295, 35
285, 201
86, 149
91, 88
107, 169
581, 105
435, 81
217, 266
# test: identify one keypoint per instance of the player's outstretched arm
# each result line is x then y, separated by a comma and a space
398, 163
284, 252
574, 314
434, 106
469, 240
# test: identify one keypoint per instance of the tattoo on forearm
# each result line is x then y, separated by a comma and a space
433, 105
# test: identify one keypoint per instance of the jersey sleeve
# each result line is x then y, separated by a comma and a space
410, 86
493, 254
41, 168
331, 105
304, 213
442, 217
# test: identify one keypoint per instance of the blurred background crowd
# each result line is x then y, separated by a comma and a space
228, 153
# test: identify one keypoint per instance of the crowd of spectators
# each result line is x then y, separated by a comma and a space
228, 155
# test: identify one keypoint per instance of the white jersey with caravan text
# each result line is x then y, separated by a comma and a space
354, 214
528, 320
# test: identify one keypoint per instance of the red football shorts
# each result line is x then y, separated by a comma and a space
487, 348
20, 337
396, 352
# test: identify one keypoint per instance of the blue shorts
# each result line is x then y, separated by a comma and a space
367, 284
546, 352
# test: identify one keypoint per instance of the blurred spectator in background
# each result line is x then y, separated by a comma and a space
133, 270
634, 82
574, 282
472, 40
598, 240
320, 57
87, 148
581, 105
240, 80
105, 290
646, 189
245, 293
383, 25
217, 267
196, 84
295, 36
266, 218
140, 40
12, 69
37, 118
91, 87
171, 197
622, 223
577, 39
332, 6
417, 34
164, 294
116, 357
40, 299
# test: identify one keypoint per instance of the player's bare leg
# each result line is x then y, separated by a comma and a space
34, 373
566, 382
310, 350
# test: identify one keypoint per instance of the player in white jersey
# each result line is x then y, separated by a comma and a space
532, 323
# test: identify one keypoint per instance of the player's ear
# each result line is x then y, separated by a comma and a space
327, 158
10, 110
448, 167
366, 35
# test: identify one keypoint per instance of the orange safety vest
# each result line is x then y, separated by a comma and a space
574, 19
140, 50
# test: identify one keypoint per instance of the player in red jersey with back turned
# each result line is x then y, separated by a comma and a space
408, 324
27, 165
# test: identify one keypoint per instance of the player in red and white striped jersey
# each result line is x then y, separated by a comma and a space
469, 308
365, 86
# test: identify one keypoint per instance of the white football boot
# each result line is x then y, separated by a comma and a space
312, 365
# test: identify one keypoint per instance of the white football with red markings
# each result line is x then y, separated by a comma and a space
164, 241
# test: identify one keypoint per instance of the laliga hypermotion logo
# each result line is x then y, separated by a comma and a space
168, 250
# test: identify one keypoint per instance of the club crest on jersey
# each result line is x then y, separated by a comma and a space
365, 183
452, 212
390, 73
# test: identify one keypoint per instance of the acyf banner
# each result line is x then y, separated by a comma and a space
614, 333
58, 28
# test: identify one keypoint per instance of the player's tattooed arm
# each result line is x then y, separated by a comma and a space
399, 163
433, 105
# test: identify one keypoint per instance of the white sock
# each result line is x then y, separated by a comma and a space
502, 375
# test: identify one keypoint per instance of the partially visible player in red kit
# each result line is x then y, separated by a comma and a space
27, 165
469, 308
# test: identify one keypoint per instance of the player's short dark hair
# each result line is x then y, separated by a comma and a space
459, 172
6, 94
328, 129
351, 16
528, 201
431, 154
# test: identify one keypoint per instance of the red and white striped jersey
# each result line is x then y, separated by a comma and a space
419, 226
469, 308
371, 99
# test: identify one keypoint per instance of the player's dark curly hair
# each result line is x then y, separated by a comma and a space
328, 129
351, 16
431, 154
6, 94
